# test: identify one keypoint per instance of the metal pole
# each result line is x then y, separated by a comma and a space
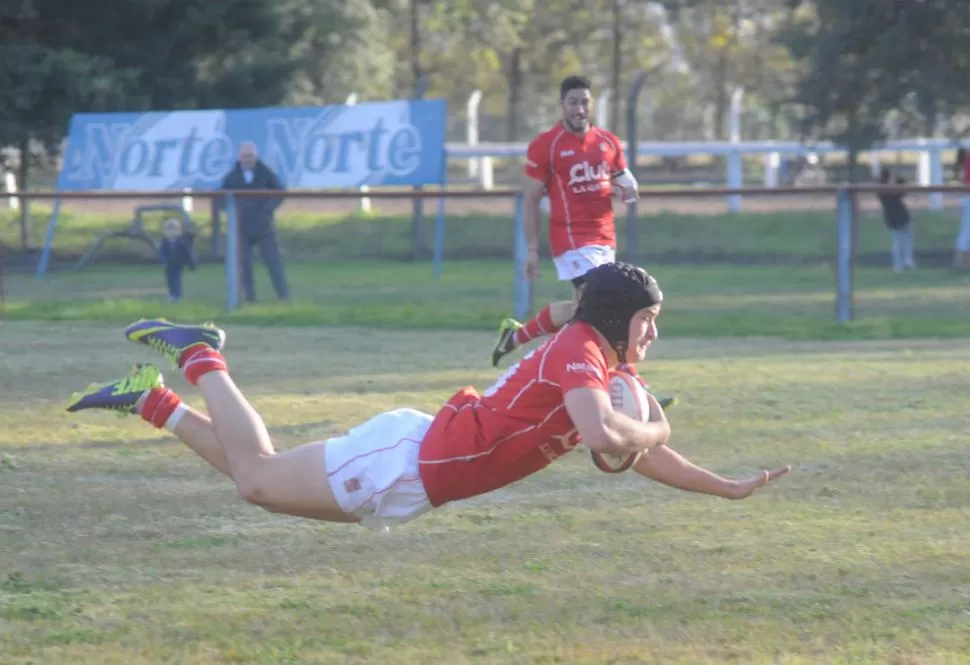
439, 233
417, 218
523, 287
845, 246
2, 292
48, 239
232, 254
735, 164
631, 134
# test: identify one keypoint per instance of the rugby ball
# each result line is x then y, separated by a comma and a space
629, 397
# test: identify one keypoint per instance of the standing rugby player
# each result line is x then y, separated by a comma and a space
577, 165
580, 167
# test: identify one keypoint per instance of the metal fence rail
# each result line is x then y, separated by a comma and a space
846, 211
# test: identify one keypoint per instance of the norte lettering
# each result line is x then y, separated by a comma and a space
159, 149
112, 151
303, 146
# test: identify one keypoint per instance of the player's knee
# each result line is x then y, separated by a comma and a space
250, 492
254, 490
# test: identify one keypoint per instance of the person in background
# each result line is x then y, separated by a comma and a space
897, 219
175, 253
257, 226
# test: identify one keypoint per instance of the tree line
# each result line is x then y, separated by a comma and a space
853, 71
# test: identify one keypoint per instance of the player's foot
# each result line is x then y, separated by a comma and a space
506, 339
173, 339
119, 395
667, 402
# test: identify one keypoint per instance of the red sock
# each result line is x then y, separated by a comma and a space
539, 325
201, 359
159, 406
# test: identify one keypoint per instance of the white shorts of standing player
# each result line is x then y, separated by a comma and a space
373, 470
575, 263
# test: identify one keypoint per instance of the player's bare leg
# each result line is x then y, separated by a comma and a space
142, 392
195, 430
292, 482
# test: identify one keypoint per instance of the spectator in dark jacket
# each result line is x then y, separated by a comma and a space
175, 253
257, 227
897, 220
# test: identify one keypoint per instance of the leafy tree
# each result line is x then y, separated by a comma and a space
858, 60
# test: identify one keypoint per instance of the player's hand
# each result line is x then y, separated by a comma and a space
742, 489
532, 265
629, 194
657, 413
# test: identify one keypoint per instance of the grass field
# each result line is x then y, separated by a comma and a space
757, 273
484, 229
793, 302
119, 546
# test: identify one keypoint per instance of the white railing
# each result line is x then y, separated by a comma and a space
479, 156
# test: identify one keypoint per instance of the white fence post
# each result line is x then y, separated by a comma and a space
936, 163
772, 165
10, 182
364, 205
603, 110
471, 128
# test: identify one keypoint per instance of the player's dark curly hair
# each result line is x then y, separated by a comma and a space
573, 83
613, 293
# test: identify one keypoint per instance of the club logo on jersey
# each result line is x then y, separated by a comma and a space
586, 177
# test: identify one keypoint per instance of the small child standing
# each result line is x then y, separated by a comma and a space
175, 253
897, 220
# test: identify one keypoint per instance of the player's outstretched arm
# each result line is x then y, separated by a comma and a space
667, 466
606, 431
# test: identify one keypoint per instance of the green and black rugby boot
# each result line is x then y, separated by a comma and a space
119, 395
506, 339
173, 339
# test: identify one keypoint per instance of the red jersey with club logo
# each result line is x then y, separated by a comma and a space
478, 443
576, 171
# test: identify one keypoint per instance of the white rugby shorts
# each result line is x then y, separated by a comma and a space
577, 262
373, 469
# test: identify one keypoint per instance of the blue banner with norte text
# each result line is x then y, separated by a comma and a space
377, 143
